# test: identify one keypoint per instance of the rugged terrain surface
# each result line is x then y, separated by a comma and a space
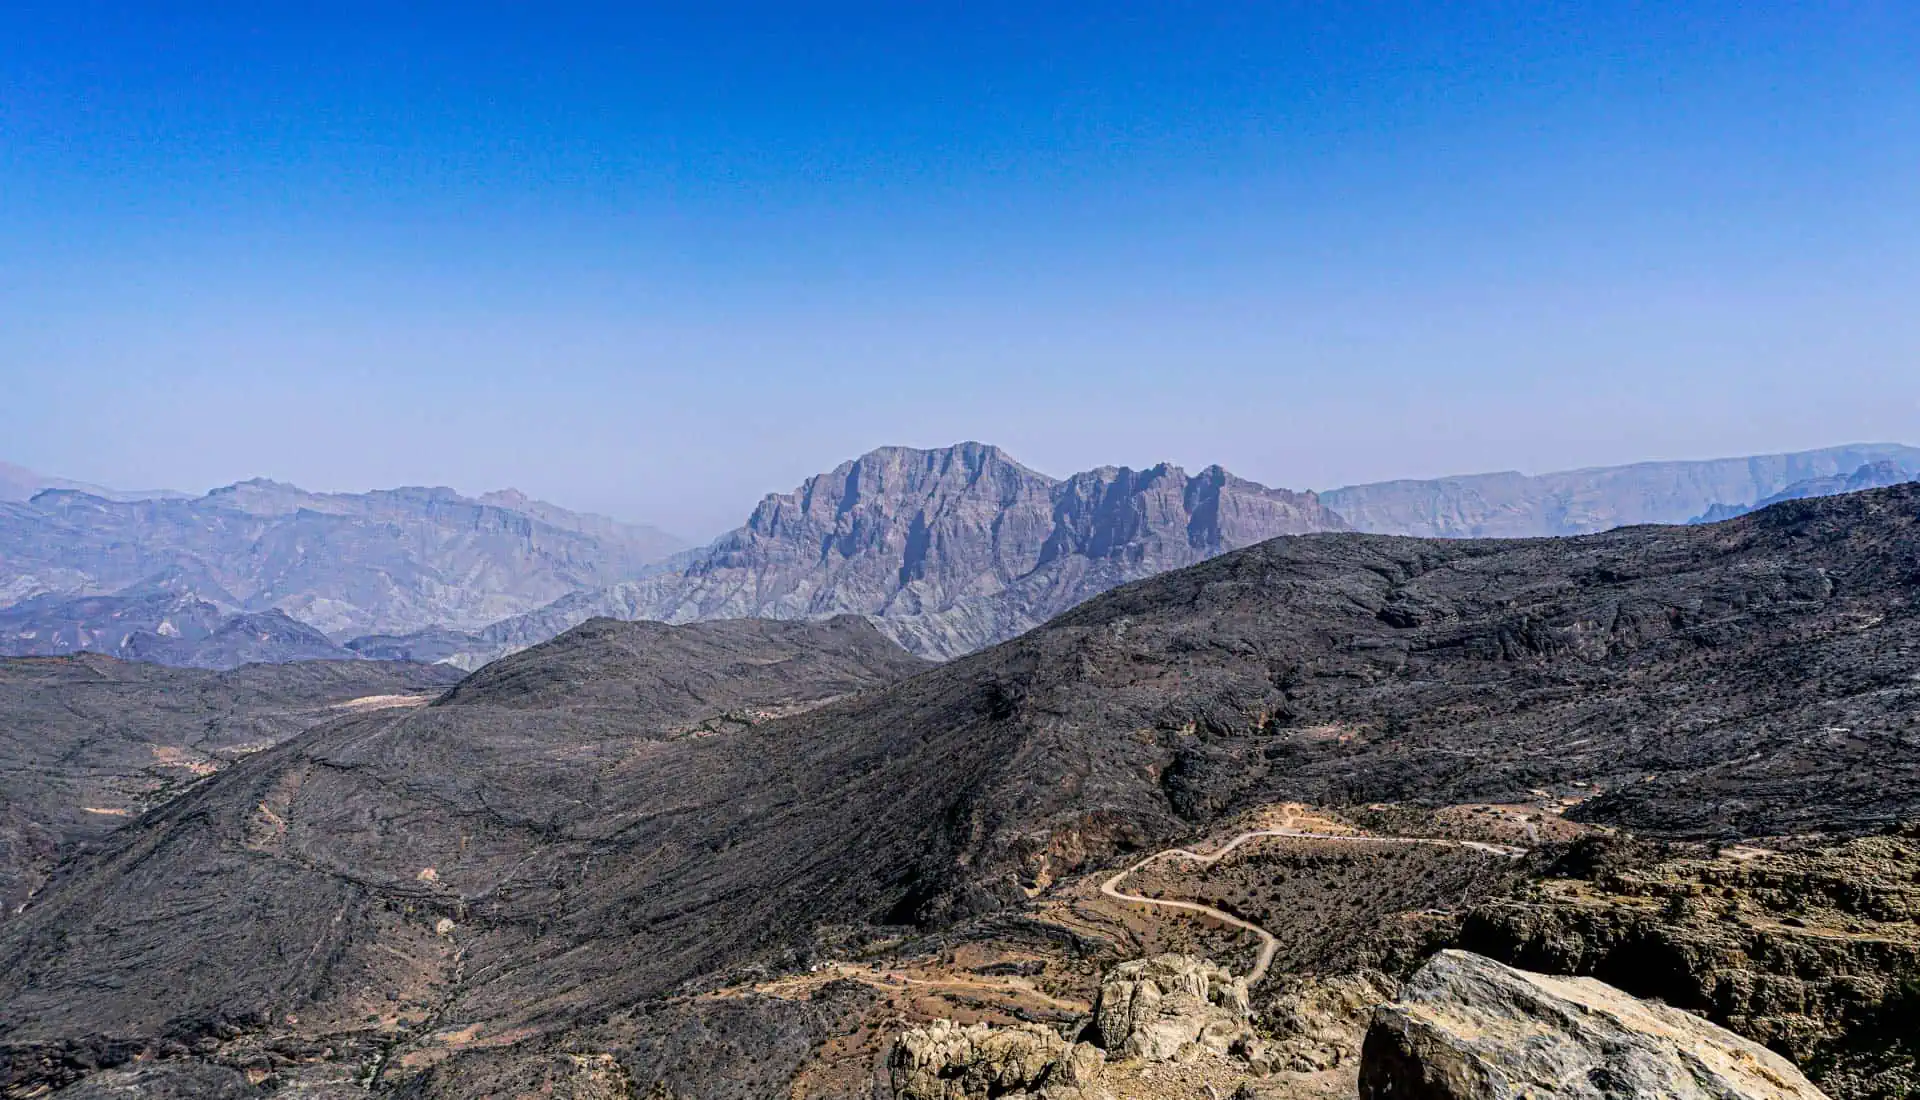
499, 895
949, 550
88, 742
345, 564
1579, 502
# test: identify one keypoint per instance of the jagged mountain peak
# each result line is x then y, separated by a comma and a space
950, 548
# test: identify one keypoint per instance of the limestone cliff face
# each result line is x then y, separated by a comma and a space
948, 550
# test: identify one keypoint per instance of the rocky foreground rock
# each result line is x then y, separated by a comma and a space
1161, 1009
945, 1061
1468, 1028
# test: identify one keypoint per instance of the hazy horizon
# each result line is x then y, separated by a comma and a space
658, 264
746, 505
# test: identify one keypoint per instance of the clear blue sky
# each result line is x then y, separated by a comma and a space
658, 260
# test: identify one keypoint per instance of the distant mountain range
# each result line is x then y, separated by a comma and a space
1579, 502
344, 564
162, 627
947, 550
729, 860
1874, 475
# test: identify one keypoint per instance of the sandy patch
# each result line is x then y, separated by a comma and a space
383, 702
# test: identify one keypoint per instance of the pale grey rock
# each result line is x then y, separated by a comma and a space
1573, 502
1317, 1022
1157, 1009
1162, 1009
944, 1061
1468, 1028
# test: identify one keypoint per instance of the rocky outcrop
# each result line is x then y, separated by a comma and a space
1814, 953
1468, 1028
1166, 1008
945, 1061
1317, 1023
949, 550
1160, 1008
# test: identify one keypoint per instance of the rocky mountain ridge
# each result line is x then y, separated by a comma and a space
17, 483
947, 550
1587, 501
166, 628
1873, 475
344, 564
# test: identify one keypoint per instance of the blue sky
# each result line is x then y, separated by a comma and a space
659, 259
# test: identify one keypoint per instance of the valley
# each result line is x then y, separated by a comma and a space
959, 552
744, 858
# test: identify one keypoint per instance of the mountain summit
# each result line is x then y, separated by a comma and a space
949, 549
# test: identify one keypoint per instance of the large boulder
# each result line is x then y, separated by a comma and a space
944, 1061
1467, 1028
1167, 1006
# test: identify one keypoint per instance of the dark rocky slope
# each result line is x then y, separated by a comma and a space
88, 742
659, 671
438, 897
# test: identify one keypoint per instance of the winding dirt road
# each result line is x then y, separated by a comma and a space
1268, 944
